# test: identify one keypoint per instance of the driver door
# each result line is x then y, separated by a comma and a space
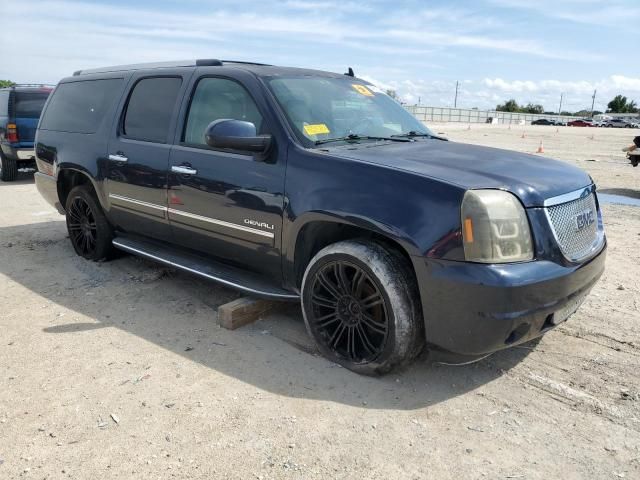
222, 203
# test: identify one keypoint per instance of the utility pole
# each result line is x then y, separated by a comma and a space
455, 100
560, 108
593, 102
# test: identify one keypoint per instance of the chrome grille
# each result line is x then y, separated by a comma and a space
575, 243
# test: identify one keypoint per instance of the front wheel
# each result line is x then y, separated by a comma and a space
360, 305
89, 231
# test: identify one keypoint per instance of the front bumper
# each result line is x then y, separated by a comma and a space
471, 310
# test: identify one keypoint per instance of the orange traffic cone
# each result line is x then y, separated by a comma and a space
540, 148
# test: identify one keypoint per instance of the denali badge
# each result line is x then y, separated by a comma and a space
255, 223
584, 219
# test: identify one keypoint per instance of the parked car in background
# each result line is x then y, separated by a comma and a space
580, 123
20, 108
319, 188
617, 123
543, 121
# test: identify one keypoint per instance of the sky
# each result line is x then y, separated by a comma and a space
532, 51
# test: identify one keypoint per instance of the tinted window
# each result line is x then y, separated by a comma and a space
80, 106
150, 108
217, 98
30, 104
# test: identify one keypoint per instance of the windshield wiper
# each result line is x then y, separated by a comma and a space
412, 134
353, 136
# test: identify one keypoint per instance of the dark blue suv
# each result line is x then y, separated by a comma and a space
317, 187
20, 108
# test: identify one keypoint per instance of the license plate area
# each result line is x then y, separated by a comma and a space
565, 312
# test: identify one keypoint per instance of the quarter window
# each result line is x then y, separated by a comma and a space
215, 99
151, 105
80, 107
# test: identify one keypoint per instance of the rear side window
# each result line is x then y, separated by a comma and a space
30, 104
150, 108
80, 106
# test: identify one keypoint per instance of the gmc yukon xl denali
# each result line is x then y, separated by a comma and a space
316, 187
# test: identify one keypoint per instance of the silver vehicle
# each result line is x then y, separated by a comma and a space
617, 123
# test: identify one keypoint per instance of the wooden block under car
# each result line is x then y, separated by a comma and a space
243, 311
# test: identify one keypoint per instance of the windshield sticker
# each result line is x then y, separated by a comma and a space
316, 129
361, 89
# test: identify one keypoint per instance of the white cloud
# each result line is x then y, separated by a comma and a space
590, 12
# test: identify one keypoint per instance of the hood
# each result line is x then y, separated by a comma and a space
532, 178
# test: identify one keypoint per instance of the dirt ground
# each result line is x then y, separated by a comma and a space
119, 370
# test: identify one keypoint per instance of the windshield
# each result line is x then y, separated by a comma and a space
322, 108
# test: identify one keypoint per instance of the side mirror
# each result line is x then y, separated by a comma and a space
237, 135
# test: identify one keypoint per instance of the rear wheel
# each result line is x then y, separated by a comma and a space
361, 307
89, 230
8, 169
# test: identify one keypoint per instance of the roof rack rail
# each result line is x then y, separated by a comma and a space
136, 66
201, 62
247, 63
31, 85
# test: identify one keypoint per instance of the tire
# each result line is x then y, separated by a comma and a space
8, 169
360, 305
89, 231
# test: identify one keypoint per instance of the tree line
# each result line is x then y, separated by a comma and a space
619, 104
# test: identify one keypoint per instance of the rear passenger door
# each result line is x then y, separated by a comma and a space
138, 153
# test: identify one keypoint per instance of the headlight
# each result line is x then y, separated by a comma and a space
495, 228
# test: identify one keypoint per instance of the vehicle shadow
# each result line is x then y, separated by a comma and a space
24, 178
176, 311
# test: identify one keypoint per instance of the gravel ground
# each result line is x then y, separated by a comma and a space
118, 370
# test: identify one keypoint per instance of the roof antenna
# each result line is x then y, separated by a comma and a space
350, 72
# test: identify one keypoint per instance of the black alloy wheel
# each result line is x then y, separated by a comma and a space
361, 305
89, 231
83, 230
349, 311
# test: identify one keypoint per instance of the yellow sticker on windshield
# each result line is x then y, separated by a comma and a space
362, 90
316, 129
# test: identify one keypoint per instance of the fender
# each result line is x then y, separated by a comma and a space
293, 230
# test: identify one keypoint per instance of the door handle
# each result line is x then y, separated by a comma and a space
118, 158
184, 170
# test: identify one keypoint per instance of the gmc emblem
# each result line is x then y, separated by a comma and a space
584, 219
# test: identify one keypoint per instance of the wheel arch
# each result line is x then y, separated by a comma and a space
316, 230
69, 178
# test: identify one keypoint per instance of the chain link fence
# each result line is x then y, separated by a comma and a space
462, 115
